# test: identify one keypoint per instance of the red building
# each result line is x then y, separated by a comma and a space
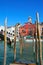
30, 29
27, 29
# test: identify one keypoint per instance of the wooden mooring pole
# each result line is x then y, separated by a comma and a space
15, 43
39, 40
5, 41
40, 44
33, 42
14, 48
21, 45
36, 46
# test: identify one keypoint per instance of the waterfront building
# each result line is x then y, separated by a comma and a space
41, 29
1, 28
28, 28
11, 32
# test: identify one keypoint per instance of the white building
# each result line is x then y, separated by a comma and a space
11, 31
1, 28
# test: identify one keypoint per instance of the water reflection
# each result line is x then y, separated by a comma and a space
27, 56
9, 54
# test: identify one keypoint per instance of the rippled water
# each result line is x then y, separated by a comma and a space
9, 55
26, 57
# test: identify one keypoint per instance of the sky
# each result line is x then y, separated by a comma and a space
18, 11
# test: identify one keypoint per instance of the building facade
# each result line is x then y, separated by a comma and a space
41, 29
28, 29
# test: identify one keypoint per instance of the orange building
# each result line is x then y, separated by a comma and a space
27, 29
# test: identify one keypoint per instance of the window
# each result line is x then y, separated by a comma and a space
30, 32
23, 31
13, 30
7, 32
13, 34
1, 30
29, 29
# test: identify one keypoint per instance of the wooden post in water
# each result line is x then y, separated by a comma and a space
15, 44
33, 42
5, 41
40, 44
36, 45
36, 42
21, 45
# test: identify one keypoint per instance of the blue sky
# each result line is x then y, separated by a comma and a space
19, 11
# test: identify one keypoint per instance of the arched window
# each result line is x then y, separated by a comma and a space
13, 30
10, 33
1, 30
23, 31
7, 32
13, 34
30, 32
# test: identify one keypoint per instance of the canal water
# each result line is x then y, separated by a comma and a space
9, 53
26, 57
